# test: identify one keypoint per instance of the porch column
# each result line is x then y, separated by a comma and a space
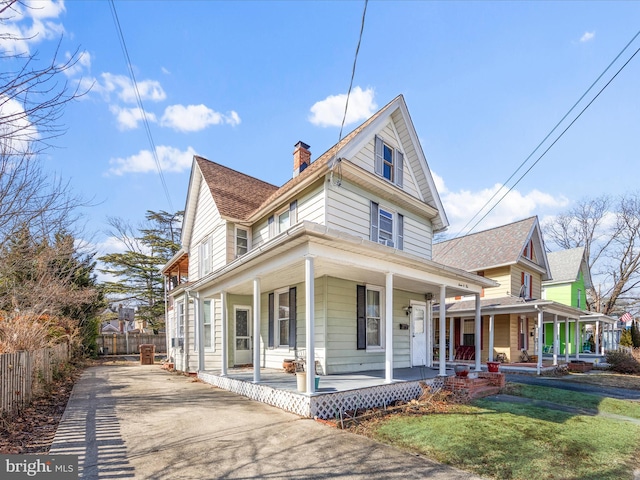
566, 339
578, 340
200, 327
478, 334
556, 339
429, 334
452, 333
443, 324
309, 294
388, 317
491, 335
224, 355
597, 337
256, 330
539, 363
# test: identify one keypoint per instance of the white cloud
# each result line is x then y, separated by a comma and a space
83, 63
122, 86
171, 160
587, 36
329, 112
194, 118
29, 23
16, 130
462, 205
165, 71
128, 118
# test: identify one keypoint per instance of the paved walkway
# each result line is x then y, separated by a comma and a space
133, 421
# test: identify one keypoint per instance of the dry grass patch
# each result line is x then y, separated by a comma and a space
608, 379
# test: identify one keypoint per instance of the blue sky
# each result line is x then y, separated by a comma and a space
241, 82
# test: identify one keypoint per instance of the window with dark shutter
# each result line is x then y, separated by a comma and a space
399, 164
400, 239
361, 320
271, 320
374, 221
292, 317
378, 154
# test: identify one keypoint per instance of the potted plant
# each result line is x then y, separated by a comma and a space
493, 367
461, 370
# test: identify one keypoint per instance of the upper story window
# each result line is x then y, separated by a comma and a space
283, 220
389, 162
242, 241
387, 227
579, 302
528, 250
205, 257
526, 290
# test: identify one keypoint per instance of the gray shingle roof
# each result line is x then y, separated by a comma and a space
490, 248
565, 265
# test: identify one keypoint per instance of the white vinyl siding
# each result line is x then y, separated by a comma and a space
260, 233
311, 205
207, 224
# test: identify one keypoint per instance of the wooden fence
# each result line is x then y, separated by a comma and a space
24, 375
125, 344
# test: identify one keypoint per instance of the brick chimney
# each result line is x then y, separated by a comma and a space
301, 158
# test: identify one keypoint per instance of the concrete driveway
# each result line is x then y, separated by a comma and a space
134, 421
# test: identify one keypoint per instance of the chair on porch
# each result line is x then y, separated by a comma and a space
300, 361
524, 357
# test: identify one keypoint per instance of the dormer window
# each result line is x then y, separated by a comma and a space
389, 162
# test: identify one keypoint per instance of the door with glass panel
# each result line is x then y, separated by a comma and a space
242, 330
418, 334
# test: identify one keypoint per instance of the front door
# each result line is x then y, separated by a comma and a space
243, 351
418, 334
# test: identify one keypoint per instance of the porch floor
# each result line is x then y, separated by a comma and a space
337, 382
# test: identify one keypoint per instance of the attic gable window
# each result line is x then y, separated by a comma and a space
528, 250
205, 257
389, 162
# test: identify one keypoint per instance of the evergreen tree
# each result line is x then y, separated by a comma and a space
625, 338
149, 247
635, 334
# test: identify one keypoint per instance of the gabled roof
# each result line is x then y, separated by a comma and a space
492, 248
242, 197
565, 266
236, 194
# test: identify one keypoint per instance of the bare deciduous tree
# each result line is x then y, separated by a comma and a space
609, 229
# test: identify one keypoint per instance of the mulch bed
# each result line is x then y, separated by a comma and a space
32, 429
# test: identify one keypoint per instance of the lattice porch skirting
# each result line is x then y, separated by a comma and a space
321, 405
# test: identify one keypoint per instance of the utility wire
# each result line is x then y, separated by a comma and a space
486, 204
353, 69
336, 166
145, 120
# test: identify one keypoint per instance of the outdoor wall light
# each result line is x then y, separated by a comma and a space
407, 310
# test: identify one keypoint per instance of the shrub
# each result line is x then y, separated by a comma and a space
623, 362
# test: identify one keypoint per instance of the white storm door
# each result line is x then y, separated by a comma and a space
418, 334
242, 341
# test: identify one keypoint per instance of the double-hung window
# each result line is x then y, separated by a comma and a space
205, 257
207, 339
281, 221
389, 162
180, 320
282, 317
526, 291
387, 227
242, 241
370, 321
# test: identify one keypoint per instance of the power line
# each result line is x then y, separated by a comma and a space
336, 166
145, 121
546, 138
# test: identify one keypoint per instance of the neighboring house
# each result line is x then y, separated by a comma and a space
570, 280
514, 312
334, 266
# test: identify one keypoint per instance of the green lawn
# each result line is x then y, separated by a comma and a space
520, 441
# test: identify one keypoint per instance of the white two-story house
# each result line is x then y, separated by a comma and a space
336, 263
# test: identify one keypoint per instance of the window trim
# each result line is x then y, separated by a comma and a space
212, 346
235, 239
204, 263
277, 319
180, 317
396, 164
397, 226
382, 325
